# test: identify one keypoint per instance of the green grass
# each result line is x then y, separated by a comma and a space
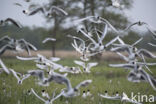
101, 76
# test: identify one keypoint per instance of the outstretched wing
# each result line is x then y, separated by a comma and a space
89, 65
48, 39
4, 67
40, 9
5, 38
59, 10
146, 53
15, 74
83, 84
27, 58
14, 22
37, 95
79, 63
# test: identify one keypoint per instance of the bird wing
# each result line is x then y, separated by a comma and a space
54, 59
146, 53
59, 95
27, 58
36, 11
14, 22
18, 4
135, 43
104, 33
112, 41
149, 28
85, 34
89, 65
48, 39
5, 47
123, 57
5, 38
83, 83
4, 67
127, 66
38, 73
79, 63
15, 74
152, 44
57, 9
74, 37
110, 97
37, 95
58, 78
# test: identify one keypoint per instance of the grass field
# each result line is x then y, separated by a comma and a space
101, 76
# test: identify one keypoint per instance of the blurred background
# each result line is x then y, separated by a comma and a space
37, 27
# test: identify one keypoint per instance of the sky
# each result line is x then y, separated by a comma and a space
142, 10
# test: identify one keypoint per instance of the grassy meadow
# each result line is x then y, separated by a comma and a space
12, 93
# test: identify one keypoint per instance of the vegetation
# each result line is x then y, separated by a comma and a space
101, 76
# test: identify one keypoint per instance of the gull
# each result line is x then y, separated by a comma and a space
20, 78
57, 10
98, 46
44, 94
86, 67
136, 76
48, 39
84, 94
106, 96
97, 20
83, 50
70, 91
4, 68
119, 32
88, 93
14, 22
141, 75
40, 75
16, 45
125, 98
49, 101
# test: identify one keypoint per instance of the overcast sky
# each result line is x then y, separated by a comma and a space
143, 10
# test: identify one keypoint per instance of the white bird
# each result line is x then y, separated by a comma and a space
45, 94
88, 93
49, 101
86, 67
48, 39
20, 78
40, 75
4, 68
16, 45
14, 22
84, 95
99, 46
70, 91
